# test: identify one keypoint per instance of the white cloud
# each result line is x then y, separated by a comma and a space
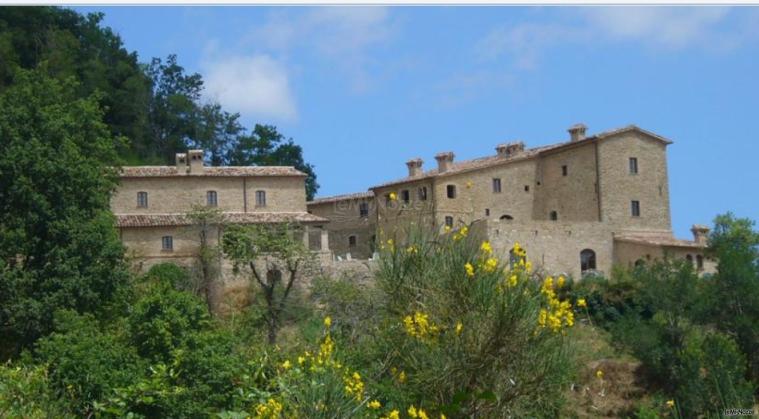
341, 35
255, 86
656, 27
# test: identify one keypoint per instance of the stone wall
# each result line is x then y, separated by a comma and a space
345, 221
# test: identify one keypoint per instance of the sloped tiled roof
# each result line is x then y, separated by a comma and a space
656, 240
489, 161
159, 220
168, 171
335, 198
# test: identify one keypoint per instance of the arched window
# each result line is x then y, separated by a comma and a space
554, 215
587, 260
506, 217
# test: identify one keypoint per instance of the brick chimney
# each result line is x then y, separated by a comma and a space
509, 149
700, 233
196, 161
181, 162
444, 161
414, 167
577, 132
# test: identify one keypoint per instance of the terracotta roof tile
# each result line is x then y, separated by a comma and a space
656, 240
335, 198
167, 171
158, 220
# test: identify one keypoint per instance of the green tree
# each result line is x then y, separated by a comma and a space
734, 291
58, 245
265, 146
206, 221
278, 249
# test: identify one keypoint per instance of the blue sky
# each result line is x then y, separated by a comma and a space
363, 89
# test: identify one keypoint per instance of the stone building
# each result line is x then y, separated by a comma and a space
584, 204
152, 202
352, 223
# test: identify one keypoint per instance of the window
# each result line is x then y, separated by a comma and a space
496, 185
689, 258
564, 170
167, 243
635, 207
451, 191
699, 262
363, 210
633, 165
260, 198
487, 212
422, 193
405, 196
587, 260
351, 241
211, 198
449, 221
506, 217
527, 188
142, 199
554, 215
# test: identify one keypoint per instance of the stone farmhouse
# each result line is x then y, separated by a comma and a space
582, 205
578, 206
152, 202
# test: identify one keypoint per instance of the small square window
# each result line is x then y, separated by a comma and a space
527, 188
406, 196
351, 241
449, 221
167, 243
260, 198
487, 212
451, 191
554, 215
363, 210
633, 166
635, 207
142, 199
564, 170
496, 185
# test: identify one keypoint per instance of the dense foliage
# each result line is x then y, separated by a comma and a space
156, 106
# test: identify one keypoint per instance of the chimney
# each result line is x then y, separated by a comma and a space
181, 161
700, 233
577, 132
196, 161
444, 161
414, 167
509, 149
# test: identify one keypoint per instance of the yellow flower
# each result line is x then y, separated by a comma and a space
374, 404
560, 281
670, 403
464, 231
395, 414
270, 409
402, 377
600, 374
412, 249
301, 360
469, 184
287, 365
393, 196
528, 266
412, 412
442, 416
512, 280
423, 414
491, 264
581, 302
469, 269
459, 327
327, 321
486, 248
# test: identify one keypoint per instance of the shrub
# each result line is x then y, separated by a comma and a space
25, 393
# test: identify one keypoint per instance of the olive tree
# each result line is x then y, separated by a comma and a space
279, 249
